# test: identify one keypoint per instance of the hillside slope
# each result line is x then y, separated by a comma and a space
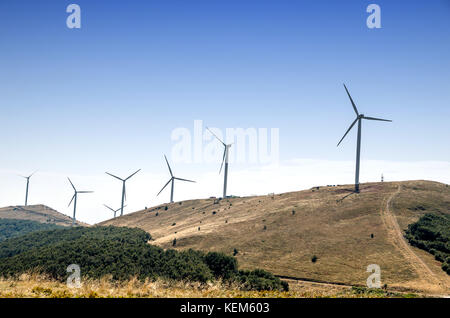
39, 213
282, 233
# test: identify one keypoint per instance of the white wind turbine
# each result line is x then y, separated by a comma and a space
74, 199
359, 118
28, 184
224, 160
114, 211
172, 179
124, 192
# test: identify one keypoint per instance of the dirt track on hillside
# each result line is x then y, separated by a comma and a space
395, 235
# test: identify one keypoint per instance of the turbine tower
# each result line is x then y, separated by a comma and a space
124, 193
172, 179
359, 118
224, 159
115, 211
74, 199
28, 183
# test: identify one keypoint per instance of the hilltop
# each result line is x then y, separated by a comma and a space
324, 234
39, 213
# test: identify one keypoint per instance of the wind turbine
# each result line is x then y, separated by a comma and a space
28, 183
74, 199
172, 179
115, 211
124, 193
224, 159
358, 119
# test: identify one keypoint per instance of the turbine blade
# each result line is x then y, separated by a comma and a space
351, 126
132, 174
110, 208
72, 199
85, 191
124, 192
170, 170
216, 136
119, 209
164, 186
72, 184
184, 179
114, 176
33, 173
373, 118
223, 159
353, 103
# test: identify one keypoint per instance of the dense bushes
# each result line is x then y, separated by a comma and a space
12, 228
259, 279
221, 265
432, 233
122, 253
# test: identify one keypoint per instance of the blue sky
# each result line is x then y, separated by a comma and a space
108, 96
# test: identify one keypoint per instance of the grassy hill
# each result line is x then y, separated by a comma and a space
327, 234
39, 213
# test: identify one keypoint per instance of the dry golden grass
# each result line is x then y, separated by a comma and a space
332, 223
38, 213
38, 286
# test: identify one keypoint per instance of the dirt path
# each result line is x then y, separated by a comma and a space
395, 235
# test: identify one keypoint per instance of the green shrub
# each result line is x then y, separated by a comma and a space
10, 228
221, 265
432, 233
259, 279
122, 253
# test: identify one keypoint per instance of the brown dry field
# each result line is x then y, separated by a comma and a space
331, 223
39, 213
